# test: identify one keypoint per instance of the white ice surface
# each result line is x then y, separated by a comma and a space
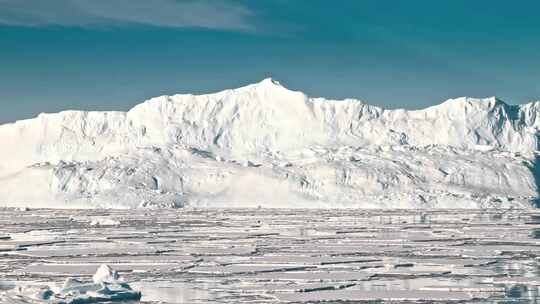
265, 145
106, 287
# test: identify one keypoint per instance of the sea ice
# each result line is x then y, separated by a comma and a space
106, 287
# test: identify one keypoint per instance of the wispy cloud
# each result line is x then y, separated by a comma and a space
212, 14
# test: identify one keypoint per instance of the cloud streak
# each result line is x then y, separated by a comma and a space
211, 14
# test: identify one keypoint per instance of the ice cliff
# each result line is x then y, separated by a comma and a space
265, 145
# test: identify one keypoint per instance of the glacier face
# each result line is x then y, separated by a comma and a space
265, 145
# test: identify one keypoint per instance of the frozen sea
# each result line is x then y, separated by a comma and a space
280, 256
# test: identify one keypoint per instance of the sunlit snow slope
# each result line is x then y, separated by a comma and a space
264, 145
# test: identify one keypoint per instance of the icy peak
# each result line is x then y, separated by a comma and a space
461, 102
269, 85
269, 81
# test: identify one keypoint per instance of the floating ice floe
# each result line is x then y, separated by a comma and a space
107, 286
104, 222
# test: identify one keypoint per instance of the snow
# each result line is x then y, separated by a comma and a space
265, 145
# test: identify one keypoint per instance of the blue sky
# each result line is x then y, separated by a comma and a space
113, 54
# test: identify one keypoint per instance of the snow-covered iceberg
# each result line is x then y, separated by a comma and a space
265, 145
106, 287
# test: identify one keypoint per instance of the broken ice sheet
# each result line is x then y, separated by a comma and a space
360, 295
255, 256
